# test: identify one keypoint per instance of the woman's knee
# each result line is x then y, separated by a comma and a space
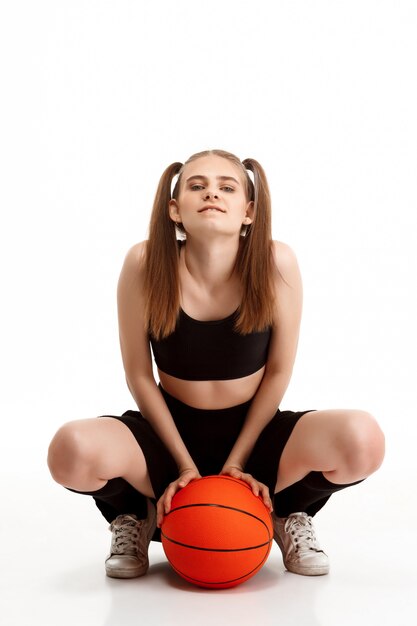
363, 443
70, 453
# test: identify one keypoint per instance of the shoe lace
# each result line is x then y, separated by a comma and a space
301, 529
126, 531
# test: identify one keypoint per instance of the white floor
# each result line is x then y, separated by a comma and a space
54, 543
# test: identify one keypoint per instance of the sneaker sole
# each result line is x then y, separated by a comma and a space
123, 573
308, 571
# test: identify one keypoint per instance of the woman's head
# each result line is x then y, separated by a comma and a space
211, 179
251, 211
256, 192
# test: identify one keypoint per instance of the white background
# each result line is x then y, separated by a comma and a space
98, 98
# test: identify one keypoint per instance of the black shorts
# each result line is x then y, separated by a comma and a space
209, 435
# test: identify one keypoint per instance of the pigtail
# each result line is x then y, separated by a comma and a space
161, 279
254, 262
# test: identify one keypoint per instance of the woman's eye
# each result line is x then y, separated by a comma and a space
197, 186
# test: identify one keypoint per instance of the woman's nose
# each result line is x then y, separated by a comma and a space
208, 194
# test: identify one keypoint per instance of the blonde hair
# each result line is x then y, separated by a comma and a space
253, 265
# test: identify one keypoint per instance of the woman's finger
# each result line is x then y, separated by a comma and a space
159, 512
187, 477
255, 486
259, 489
184, 480
163, 505
169, 494
234, 472
252, 482
266, 497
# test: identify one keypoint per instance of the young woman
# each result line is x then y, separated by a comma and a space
220, 303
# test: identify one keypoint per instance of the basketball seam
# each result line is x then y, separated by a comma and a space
187, 545
222, 506
222, 582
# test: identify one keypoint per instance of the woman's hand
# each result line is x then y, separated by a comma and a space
257, 487
164, 503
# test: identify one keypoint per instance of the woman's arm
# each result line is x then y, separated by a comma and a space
281, 356
262, 409
137, 359
153, 407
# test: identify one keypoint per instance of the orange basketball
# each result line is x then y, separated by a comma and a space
217, 533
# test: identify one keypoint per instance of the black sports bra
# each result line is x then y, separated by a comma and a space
210, 350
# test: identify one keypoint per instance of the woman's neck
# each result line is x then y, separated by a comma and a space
210, 264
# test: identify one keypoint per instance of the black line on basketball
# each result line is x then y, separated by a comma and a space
221, 582
187, 545
221, 506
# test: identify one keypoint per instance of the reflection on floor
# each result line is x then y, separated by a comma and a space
54, 545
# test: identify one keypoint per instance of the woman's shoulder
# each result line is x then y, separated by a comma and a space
137, 249
283, 255
133, 264
135, 255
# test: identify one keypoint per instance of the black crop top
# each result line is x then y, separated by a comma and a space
210, 350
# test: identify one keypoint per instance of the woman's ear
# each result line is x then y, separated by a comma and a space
250, 212
174, 210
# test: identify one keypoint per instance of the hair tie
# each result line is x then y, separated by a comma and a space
251, 176
173, 183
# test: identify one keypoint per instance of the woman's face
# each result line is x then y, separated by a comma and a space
217, 182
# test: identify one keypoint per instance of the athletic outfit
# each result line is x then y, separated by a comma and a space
211, 350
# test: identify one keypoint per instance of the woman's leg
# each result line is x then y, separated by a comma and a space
102, 458
85, 454
346, 446
327, 451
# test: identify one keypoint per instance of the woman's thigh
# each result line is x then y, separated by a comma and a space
344, 444
96, 449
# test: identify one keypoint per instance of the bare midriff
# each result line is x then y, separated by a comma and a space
212, 394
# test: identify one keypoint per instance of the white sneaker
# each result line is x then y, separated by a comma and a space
128, 556
297, 540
